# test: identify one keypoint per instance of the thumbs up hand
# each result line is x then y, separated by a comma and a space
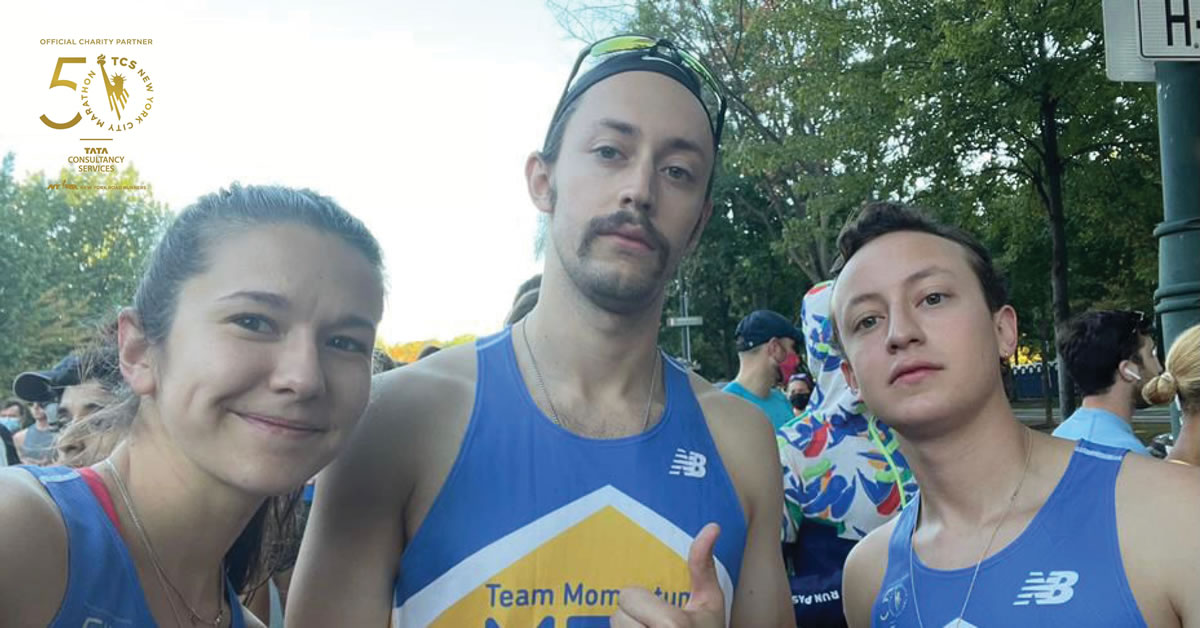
639, 608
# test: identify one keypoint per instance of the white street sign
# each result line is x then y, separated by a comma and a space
685, 321
1169, 29
1123, 60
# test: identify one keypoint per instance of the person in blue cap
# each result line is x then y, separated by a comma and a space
766, 345
565, 471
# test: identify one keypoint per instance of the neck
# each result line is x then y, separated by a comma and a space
598, 353
189, 518
1118, 400
42, 424
756, 376
967, 473
1187, 443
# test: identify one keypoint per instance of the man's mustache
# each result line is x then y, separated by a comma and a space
605, 225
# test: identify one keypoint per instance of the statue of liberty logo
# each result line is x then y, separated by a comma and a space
117, 94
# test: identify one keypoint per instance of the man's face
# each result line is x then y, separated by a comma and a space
919, 341
81, 400
629, 188
11, 412
1150, 368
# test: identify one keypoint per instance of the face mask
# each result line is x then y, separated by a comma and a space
799, 400
11, 423
788, 366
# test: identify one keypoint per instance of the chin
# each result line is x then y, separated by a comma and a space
265, 474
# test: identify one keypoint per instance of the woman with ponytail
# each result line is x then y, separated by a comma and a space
246, 358
1180, 382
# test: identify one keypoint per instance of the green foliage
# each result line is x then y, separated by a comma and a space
993, 114
68, 259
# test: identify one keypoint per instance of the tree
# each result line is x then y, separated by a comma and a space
68, 259
1011, 91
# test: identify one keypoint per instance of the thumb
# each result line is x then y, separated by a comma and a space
706, 590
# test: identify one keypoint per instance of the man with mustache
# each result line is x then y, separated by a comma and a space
566, 471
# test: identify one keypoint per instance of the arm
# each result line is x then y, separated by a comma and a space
762, 597
33, 578
863, 575
1157, 532
350, 556
352, 544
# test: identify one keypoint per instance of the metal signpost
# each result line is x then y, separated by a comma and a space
1159, 40
687, 323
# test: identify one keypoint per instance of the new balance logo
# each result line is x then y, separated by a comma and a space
1056, 588
689, 464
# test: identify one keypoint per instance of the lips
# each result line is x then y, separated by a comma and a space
634, 234
912, 371
279, 424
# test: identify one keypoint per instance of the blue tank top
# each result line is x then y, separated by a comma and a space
536, 526
1065, 569
103, 589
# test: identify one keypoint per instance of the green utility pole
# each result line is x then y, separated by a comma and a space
1177, 300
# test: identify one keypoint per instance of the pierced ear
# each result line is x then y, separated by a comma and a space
851, 380
537, 180
134, 353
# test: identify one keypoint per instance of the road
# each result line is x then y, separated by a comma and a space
1036, 413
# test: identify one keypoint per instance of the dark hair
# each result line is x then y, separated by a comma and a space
533, 283
381, 362
26, 415
1093, 343
427, 351
883, 217
267, 543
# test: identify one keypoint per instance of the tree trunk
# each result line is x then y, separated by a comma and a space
1053, 163
1046, 388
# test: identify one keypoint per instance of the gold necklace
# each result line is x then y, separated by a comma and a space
158, 569
971, 587
546, 393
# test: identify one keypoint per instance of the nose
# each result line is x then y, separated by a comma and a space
639, 187
903, 330
298, 370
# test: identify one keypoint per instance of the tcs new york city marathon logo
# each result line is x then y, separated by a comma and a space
113, 94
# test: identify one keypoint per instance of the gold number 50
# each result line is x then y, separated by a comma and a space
56, 82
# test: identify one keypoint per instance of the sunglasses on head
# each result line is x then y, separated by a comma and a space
710, 90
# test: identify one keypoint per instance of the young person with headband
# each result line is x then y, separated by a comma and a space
1180, 382
247, 354
1011, 527
565, 470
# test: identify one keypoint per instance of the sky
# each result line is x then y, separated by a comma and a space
415, 116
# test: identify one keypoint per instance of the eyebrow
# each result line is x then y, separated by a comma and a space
924, 273
280, 302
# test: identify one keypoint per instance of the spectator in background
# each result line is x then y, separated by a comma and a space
1180, 382
82, 443
843, 474
15, 416
1110, 357
527, 297
766, 344
799, 391
382, 362
36, 444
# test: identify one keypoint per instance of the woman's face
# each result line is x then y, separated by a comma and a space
267, 365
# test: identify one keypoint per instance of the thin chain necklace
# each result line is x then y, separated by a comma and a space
158, 569
971, 587
546, 393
